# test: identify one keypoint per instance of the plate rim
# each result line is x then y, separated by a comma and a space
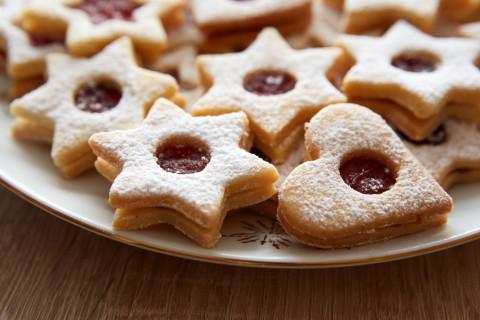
232, 261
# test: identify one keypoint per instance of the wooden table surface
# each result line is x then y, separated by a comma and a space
50, 269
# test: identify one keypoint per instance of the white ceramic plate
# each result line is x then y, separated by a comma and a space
248, 239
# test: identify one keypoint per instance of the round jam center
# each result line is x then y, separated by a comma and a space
415, 62
268, 83
101, 10
38, 40
367, 176
97, 96
182, 159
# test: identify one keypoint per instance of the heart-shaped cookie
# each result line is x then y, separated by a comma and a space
360, 185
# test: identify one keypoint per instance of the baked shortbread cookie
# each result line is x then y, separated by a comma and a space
87, 95
415, 70
220, 16
26, 51
360, 16
415, 128
323, 29
89, 25
183, 170
179, 62
279, 88
361, 185
451, 153
294, 159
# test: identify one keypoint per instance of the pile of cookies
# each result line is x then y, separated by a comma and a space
344, 120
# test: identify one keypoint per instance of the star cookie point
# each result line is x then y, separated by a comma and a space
278, 87
194, 167
86, 95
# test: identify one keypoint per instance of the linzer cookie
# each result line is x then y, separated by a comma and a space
89, 25
323, 29
415, 70
279, 88
179, 62
414, 128
223, 16
182, 170
451, 153
25, 51
295, 158
360, 16
87, 95
361, 185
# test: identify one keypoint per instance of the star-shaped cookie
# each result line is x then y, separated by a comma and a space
419, 72
25, 51
153, 182
220, 16
451, 153
88, 28
69, 102
360, 16
295, 84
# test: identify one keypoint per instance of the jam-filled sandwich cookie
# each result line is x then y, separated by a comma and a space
24, 54
222, 16
89, 25
415, 70
278, 87
179, 62
182, 170
360, 16
414, 128
451, 153
295, 158
26, 51
87, 95
361, 185
322, 30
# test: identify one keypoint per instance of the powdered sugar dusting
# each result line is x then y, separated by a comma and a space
317, 195
142, 183
424, 93
271, 114
461, 150
52, 104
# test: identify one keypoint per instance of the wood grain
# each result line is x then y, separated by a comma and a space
50, 269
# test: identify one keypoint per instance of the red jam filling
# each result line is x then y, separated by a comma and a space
268, 83
3, 54
438, 136
38, 40
102, 10
182, 159
367, 176
97, 96
415, 62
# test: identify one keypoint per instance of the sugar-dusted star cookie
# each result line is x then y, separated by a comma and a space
279, 88
360, 185
179, 62
220, 16
183, 170
415, 70
323, 29
87, 95
26, 51
360, 16
415, 128
89, 25
451, 153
